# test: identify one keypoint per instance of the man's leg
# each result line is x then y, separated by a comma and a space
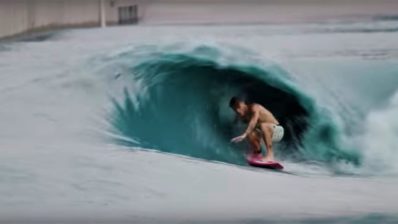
255, 142
268, 129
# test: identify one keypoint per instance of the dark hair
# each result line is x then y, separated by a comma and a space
234, 100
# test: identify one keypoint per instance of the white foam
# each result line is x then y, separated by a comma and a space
379, 142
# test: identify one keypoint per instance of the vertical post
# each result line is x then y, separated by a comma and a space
102, 13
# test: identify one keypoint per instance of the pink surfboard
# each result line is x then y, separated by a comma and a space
257, 161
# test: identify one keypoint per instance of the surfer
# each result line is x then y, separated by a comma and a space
261, 125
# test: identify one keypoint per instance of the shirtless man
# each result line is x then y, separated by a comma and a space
262, 125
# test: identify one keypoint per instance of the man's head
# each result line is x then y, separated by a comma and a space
238, 105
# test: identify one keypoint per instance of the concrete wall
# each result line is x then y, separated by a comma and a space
13, 17
17, 16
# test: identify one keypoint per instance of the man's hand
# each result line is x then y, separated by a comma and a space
239, 138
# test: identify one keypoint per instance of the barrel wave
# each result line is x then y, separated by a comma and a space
176, 100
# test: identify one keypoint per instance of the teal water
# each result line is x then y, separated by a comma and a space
181, 106
325, 83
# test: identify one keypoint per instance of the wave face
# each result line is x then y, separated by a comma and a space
176, 101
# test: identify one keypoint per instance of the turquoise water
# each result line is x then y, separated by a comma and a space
175, 96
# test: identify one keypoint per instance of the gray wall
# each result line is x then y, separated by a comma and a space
17, 16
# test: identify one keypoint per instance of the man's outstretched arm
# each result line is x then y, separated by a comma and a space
252, 123
250, 127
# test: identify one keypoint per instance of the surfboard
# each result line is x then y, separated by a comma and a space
256, 161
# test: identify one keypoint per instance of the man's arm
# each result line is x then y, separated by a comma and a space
251, 126
253, 121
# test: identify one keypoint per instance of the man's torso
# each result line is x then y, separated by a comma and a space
265, 116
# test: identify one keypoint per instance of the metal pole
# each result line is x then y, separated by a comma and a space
102, 13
